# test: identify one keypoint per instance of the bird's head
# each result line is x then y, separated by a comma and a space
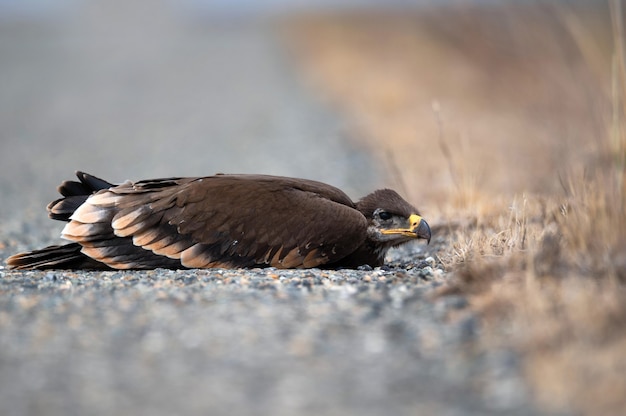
391, 220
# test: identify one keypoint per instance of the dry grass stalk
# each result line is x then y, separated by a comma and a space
521, 153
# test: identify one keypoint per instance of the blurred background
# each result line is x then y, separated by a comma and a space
132, 90
469, 97
478, 100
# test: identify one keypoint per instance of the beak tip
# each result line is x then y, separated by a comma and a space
423, 231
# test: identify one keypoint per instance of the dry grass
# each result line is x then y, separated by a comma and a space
510, 121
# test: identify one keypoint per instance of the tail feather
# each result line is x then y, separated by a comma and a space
68, 256
74, 194
92, 182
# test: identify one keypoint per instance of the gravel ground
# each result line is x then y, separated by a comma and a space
260, 341
91, 91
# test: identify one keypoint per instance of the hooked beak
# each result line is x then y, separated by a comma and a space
418, 229
423, 231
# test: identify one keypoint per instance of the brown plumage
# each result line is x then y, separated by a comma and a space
228, 221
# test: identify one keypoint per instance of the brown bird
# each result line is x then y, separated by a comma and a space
228, 221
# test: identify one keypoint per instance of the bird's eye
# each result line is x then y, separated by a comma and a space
384, 215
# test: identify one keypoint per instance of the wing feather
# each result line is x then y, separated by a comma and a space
218, 221
196, 256
276, 224
130, 216
88, 213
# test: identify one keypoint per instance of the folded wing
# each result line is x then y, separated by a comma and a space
218, 221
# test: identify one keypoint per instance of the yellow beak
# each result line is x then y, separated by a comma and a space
418, 228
